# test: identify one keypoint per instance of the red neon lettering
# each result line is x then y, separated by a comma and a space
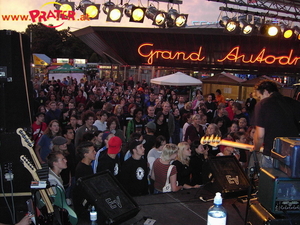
155, 54
235, 55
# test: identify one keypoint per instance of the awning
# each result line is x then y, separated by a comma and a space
41, 59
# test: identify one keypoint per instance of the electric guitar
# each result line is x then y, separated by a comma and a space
43, 193
28, 143
216, 140
58, 200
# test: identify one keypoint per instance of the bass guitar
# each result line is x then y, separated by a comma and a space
59, 199
29, 144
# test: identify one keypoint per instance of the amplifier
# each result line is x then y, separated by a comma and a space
277, 192
286, 154
258, 215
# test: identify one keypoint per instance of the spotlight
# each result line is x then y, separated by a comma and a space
106, 6
176, 19
64, 5
136, 14
232, 26
114, 14
224, 21
246, 27
270, 30
287, 32
90, 9
158, 17
297, 32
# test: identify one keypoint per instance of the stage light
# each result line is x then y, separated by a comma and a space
287, 32
297, 32
175, 19
246, 27
158, 17
232, 26
223, 22
135, 13
90, 9
106, 6
115, 14
270, 30
64, 5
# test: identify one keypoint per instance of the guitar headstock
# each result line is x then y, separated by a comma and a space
27, 164
210, 140
26, 141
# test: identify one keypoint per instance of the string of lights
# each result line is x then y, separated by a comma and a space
136, 13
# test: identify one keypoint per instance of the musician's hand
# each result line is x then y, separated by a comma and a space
26, 220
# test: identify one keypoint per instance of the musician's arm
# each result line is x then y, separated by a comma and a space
258, 138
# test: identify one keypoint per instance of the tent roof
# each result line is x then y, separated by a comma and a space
223, 78
66, 68
252, 82
41, 59
176, 79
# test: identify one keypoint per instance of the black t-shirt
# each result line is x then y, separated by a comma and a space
134, 176
197, 162
278, 115
183, 173
150, 142
107, 163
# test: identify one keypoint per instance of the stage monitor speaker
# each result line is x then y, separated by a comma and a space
108, 196
228, 177
15, 85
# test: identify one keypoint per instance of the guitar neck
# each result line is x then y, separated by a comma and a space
34, 158
238, 145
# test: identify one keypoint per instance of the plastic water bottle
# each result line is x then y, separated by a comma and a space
93, 214
217, 214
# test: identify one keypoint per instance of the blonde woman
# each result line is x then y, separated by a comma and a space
160, 169
213, 129
182, 164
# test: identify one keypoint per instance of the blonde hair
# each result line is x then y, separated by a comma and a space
217, 130
180, 157
167, 151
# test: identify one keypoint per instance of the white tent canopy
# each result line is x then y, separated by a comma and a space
176, 79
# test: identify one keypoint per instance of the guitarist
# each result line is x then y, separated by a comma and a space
275, 116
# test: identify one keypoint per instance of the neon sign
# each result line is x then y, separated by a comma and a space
234, 55
165, 54
261, 57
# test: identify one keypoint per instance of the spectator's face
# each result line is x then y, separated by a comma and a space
90, 154
89, 121
61, 162
69, 135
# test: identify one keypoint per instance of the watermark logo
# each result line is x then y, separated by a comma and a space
55, 16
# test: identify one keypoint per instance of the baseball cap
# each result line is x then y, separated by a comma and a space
151, 125
114, 145
134, 143
105, 135
59, 140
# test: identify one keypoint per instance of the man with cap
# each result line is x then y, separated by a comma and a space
38, 127
110, 160
149, 137
135, 170
105, 138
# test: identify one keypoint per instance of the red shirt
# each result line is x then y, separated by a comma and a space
160, 172
38, 131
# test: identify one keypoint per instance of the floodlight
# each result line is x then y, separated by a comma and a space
90, 9
287, 32
175, 19
135, 13
64, 5
269, 30
158, 17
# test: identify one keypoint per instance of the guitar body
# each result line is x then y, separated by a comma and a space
60, 201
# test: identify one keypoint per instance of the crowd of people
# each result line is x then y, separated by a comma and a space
135, 131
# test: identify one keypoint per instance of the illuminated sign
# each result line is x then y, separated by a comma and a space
235, 55
165, 54
147, 51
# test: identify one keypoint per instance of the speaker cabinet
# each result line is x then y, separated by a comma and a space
108, 196
15, 85
228, 177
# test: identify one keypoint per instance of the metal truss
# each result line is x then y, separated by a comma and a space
284, 9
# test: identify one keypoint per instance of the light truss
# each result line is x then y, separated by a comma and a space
285, 9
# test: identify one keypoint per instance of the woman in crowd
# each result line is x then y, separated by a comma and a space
194, 131
98, 139
43, 147
160, 169
101, 121
182, 166
161, 127
128, 116
136, 124
156, 151
187, 120
114, 127
198, 163
214, 130
119, 113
